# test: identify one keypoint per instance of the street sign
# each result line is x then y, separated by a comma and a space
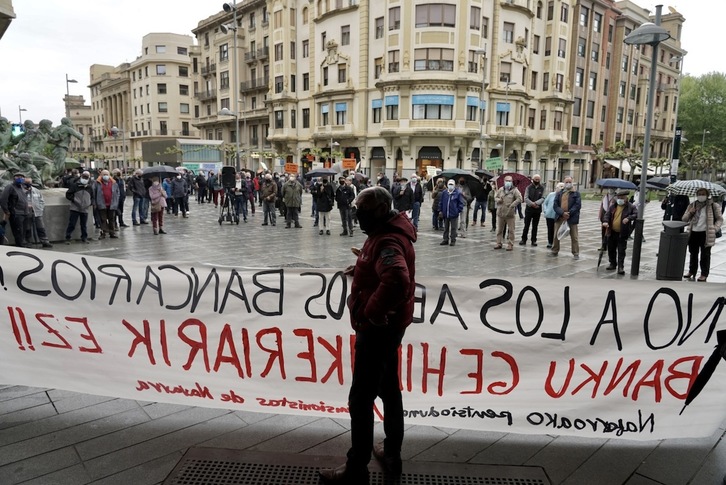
348, 163
291, 167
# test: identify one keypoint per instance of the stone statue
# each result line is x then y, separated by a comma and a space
61, 138
33, 143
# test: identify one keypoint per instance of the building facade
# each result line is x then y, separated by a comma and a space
147, 100
81, 116
525, 85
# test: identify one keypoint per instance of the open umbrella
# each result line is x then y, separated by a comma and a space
321, 172
161, 171
474, 183
689, 188
483, 173
615, 183
662, 182
708, 369
521, 182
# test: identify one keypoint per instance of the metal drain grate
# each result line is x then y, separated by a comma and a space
214, 466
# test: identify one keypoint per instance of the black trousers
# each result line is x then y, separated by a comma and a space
346, 218
19, 224
616, 248
550, 230
531, 216
375, 374
696, 243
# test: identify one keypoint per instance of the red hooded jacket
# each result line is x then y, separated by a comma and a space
384, 277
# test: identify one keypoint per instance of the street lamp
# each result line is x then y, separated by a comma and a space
506, 125
650, 34
68, 93
484, 85
225, 28
676, 147
20, 113
703, 140
228, 112
333, 145
115, 131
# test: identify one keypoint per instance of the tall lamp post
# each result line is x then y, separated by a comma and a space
228, 112
225, 28
115, 131
20, 113
650, 34
506, 125
703, 140
68, 93
676, 148
484, 85
333, 145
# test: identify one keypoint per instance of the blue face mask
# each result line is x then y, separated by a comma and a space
19, 181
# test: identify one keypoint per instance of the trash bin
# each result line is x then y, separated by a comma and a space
672, 251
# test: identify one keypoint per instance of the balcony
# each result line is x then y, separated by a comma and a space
254, 84
208, 70
205, 95
263, 53
251, 56
162, 132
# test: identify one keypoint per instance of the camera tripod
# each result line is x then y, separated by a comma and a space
227, 211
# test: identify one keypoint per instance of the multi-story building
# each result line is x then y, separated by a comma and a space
147, 100
400, 86
82, 117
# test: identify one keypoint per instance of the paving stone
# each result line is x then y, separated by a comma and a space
152, 472
12, 392
75, 475
614, 462
23, 402
564, 454
512, 449
39, 465
27, 415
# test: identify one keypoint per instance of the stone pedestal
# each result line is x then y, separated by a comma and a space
55, 217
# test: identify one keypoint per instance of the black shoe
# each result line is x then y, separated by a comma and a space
621, 270
453, 243
161, 231
123, 225
611, 267
350, 234
321, 232
327, 232
46, 244
298, 226
534, 243
113, 236
344, 233
287, 226
345, 476
136, 224
144, 222
444, 243
522, 242
265, 224
391, 464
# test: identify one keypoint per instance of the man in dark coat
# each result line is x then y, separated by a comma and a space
567, 207
16, 206
140, 193
381, 308
617, 222
344, 197
533, 199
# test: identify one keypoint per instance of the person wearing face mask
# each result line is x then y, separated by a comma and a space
508, 198
17, 209
38, 206
382, 181
381, 305
121, 183
567, 207
464, 219
548, 208
451, 205
139, 192
179, 190
157, 196
324, 200
617, 222
704, 218
80, 195
105, 200
607, 201
533, 199
417, 195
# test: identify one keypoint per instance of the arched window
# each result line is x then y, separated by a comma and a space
305, 16
539, 10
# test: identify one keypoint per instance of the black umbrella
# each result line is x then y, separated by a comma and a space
615, 183
483, 173
475, 185
708, 368
321, 172
603, 248
661, 182
161, 171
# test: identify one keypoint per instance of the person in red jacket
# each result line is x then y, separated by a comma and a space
381, 308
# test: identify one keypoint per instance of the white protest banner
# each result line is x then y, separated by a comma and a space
560, 356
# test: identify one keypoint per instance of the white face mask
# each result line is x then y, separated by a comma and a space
701, 198
507, 185
450, 188
568, 186
620, 201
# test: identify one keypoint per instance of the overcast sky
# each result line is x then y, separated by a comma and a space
52, 38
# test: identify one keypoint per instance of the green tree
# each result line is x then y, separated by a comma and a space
702, 109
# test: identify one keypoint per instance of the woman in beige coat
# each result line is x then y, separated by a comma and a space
705, 220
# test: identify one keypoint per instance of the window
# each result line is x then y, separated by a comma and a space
539, 11
630, 116
306, 117
508, 32
182, 51
432, 111
253, 103
597, 23
278, 51
503, 114
564, 10
548, 46
558, 120
293, 118
485, 27
584, 16
392, 112
394, 18
595, 52
562, 48
607, 60
471, 112
146, 71
534, 84
620, 115
323, 38
377, 67
593, 81
635, 66
224, 103
535, 44
306, 81
377, 114
324, 114
223, 52
279, 84
575, 136
579, 77
473, 61
546, 81
345, 35
393, 61
184, 108
163, 107
621, 90
433, 59
161, 88
252, 20
559, 82
588, 137
279, 119
161, 69
632, 91
475, 18
163, 128
590, 112
505, 72
325, 76
160, 49
624, 64
577, 107
530, 118
341, 113
292, 50
435, 15
342, 73
184, 90
580, 47
550, 10
543, 119
224, 80
305, 16
305, 49
379, 28
292, 83
602, 114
